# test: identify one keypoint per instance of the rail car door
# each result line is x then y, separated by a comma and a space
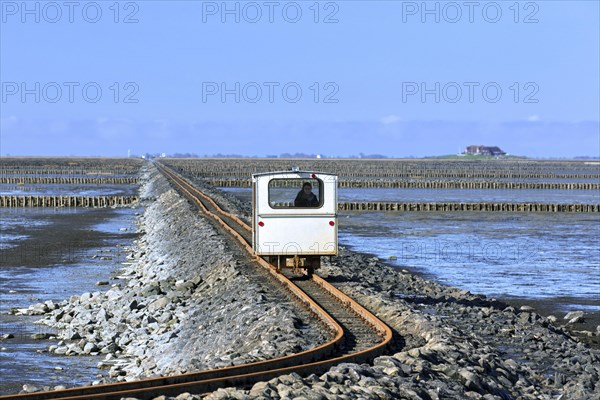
283, 228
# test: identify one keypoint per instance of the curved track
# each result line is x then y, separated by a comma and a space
357, 334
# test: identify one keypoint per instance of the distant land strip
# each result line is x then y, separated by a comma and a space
371, 184
36, 180
66, 201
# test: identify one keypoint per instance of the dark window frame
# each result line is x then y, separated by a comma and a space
302, 180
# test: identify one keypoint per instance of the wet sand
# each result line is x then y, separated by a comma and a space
61, 253
65, 235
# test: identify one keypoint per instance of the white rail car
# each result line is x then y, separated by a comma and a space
294, 219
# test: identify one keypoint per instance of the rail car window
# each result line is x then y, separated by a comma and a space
295, 193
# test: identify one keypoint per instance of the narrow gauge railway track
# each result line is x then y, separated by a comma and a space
358, 335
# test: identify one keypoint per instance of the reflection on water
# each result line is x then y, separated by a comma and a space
498, 254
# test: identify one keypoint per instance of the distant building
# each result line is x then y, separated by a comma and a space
484, 151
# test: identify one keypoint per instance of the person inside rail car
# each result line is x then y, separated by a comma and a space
305, 197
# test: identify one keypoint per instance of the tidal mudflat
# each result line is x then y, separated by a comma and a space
49, 255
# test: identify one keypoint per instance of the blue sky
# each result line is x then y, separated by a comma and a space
398, 78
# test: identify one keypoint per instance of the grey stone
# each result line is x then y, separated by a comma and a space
90, 348
85, 297
38, 309
41, 336
158, 304
74, 336
259, 388
133, 305
574, 314
28, 388
576, 320
50, 305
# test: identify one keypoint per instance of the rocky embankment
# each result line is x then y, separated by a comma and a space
184, 302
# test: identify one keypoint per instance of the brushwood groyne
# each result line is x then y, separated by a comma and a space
67, 201
393, 184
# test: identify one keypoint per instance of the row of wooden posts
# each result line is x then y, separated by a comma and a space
67, 201
341, 167
371, 184
358, 169
356, 184
66, 171
486, 207
427, 175
112, 201
409, 174
63, 180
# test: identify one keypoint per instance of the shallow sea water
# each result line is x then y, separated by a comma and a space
66, 190
497, 254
